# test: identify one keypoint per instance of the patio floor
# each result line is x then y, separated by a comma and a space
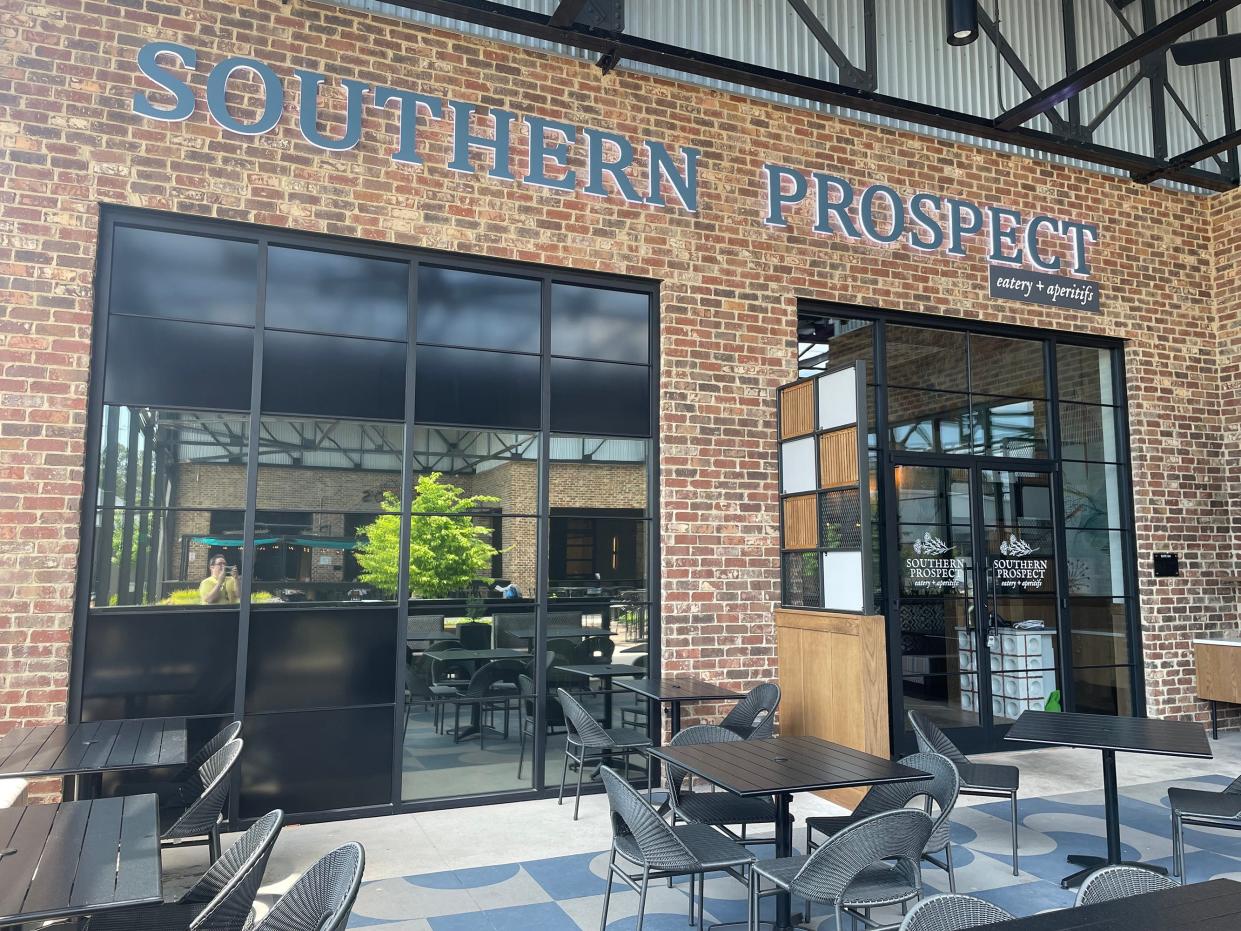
529, 865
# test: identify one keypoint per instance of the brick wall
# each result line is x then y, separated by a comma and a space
730, 287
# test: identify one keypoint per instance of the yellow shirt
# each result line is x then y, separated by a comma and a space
228, 594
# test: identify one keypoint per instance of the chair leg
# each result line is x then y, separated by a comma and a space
581, 768
691, 899
1013, 805
646, 881
521, 752
564, 776
1178, 848
702, 899
607, 892
213, 843
952, 875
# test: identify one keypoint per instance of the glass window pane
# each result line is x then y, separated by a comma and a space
1000, 365
825, 343
937, 634
167, 363
602, 397
1100, 631
1096, 561
326, 292
1088, 431
597, 472
1008, 427
600, 323
1016, 500
596, 553
333, 376
932, 495
1103, 690
502, 468
929, 421
200, 278
1084, 374
920, 357
467, 387
476, 309
936, 560
949, 701
1092, 495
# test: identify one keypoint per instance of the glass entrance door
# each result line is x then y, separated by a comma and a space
975, 606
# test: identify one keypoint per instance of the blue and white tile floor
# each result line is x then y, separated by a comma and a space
566, 893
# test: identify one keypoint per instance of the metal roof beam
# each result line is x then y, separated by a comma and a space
1192, 157
566, 13
849, 72
1153, 40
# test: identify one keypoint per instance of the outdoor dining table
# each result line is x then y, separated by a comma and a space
78, 858
1110, 735
76, 751
1208, 906
676, 690
778, 767
606, 672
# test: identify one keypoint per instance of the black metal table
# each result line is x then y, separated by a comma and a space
78, 750
1208, 906
476, 656
606, 671
778, 767
1110, 735
676, 690
78, 858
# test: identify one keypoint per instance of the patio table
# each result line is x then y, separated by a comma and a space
676, 690
607, 672
1207, 906
78, 858
1110, 735
778, 767
78, 750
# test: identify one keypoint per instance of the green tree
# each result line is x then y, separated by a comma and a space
447, 550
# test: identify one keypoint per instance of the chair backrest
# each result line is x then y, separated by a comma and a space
231, 883
943, 787
633, 816
952, 913
932, 740
215, 777
562, 620
582, 723
756, 713
424, 627
692, 736
898, 836
229, 732
597, 649
323, 896
499, 670
474, 635
1234, 787
1120, 882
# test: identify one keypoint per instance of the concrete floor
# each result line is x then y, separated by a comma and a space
403, 845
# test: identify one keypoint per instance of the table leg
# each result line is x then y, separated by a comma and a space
607, 703
676, 718
1214, 720
785, 920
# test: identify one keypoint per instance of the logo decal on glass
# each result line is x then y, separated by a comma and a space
930, 546
1015, 547
1018, 570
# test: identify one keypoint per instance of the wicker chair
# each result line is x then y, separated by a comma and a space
492, 687
420, 689
980, 779
1120, 882
183, 787
952, 913
717, 809
641, 837
201, 819
527, 702
942, 788
222, 898
754, 717
871, 863
1205, 808
323, 897
587, 741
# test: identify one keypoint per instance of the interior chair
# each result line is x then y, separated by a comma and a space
322, 897
420, 689
595, 650
563, 652
554, 717
755, 715
989, 780
199, 822
637, 715
952, 913
424, 628
942, 789
474, 635
717, 809
1120, 882
641, 838
869, 864
1204, 808
588, 742
488, 689
222, 898
448, 672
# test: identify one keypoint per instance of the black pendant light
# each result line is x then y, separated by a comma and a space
1214, 48
962, 21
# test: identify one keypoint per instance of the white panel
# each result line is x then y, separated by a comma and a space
837, 399
842, 581
797, 464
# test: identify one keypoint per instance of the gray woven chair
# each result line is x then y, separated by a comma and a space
323, 896
183, 787
718, 809
942, 788
222, 898
492, 687
952, 913
754, 717
1120, 882
988, 780
588, 742
871, 863
201, 819
1205, 808
641, 837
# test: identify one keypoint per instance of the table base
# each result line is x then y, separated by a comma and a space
1089, 864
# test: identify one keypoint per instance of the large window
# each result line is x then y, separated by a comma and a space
369, 500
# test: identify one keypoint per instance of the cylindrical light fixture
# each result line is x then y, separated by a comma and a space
962, 21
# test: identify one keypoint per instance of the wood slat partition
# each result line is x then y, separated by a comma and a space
797, 410
801, 524
838, 462
834, 680
1219, 671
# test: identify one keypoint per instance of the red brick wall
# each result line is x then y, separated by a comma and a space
730, 288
